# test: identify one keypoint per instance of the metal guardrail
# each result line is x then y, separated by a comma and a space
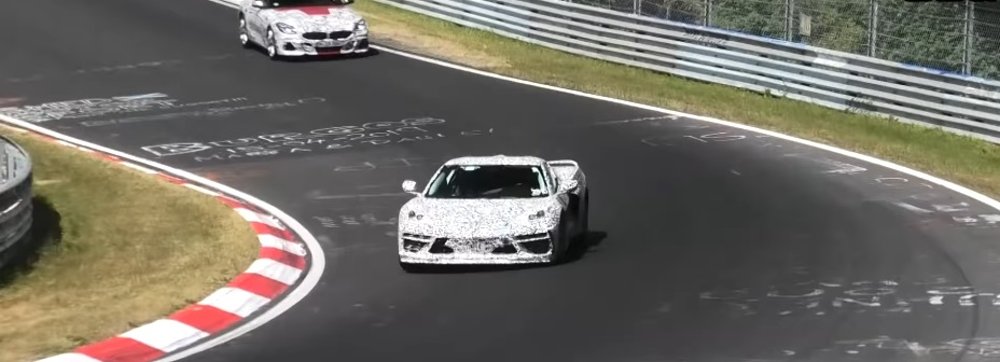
960, 104
15, 198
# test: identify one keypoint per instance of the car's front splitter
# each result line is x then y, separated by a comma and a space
470, 259
298, 47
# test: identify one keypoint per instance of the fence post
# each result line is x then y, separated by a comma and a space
708, 13
872, 27
637, 7
788, 19
970, 23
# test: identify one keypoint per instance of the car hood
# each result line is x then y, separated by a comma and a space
478, 218
314, 18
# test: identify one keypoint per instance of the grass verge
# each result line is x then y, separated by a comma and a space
123, 249
967, 161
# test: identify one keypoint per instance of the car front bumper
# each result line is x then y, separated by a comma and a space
528, 249
293, 46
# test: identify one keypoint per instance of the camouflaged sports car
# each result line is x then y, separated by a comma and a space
302, 27
494, 210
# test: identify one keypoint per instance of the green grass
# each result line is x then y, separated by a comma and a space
967, 161
125, 249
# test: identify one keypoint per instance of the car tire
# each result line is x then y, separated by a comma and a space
561, 244
271, 47
244, 34
585, 215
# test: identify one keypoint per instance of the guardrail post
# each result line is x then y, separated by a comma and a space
788, 19
970, 23
708, 13
872, 27
637, 7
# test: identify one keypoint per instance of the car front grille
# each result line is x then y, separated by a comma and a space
340, 34
315, 35
532, 243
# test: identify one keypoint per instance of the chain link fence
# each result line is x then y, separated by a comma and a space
959, 37
986, 40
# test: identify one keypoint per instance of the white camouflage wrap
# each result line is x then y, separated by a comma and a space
527, 230
303, 30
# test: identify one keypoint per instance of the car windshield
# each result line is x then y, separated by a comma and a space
293, 3
488, 182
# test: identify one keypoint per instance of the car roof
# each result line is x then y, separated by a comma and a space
496, 160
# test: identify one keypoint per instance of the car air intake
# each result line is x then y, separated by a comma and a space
438, 247
340, 34
314, 36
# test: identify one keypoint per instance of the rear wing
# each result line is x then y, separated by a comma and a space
563, 163
567, 170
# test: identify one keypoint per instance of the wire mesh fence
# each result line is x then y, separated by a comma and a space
833, 24
961, 37
986, 40
757, 17
685, 11
915, 33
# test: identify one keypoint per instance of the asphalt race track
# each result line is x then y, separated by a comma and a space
709, 243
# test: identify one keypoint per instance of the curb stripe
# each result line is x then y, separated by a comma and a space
70, 357
144, 170
165, 334
271, 241
258, 284
206, 318
231, 202
275, 270
201, 189
265, 229
235, 301
253, 216
284, 257
119, 349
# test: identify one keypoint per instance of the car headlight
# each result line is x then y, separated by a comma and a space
361, 27
415, 215
538, 215
285, 28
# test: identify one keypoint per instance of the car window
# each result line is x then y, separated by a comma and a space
488, 182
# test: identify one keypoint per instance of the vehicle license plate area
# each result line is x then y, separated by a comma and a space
478, 246
328, 44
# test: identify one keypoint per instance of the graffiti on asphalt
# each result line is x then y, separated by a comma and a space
323, 139
819, 298
150, 102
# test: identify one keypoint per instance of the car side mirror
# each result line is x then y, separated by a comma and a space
570, 186
258, 4
410, 187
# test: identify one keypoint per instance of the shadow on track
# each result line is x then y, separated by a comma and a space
330, 58
45, 231
575, 252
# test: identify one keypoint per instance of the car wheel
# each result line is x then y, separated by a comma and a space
244, 35
272, 46
561, 244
